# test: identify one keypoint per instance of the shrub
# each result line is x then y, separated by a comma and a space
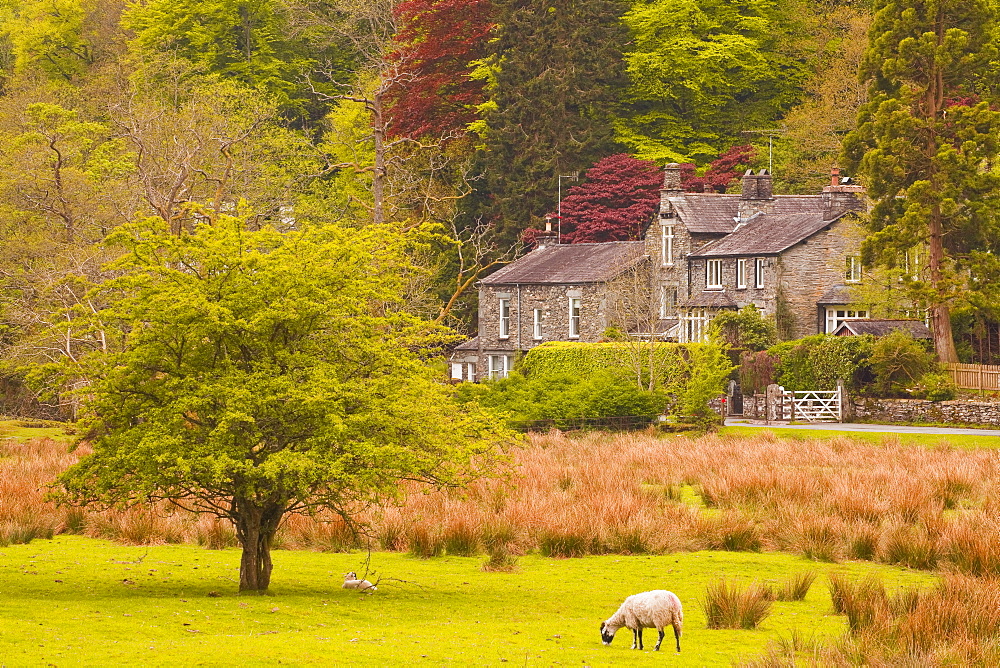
498, 538
898, 361
756, 371
935, 386
817, 362
727, 606
746, 328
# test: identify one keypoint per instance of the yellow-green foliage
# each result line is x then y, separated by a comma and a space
689, 375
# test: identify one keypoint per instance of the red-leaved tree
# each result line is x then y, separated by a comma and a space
432, 93
721, 173
616, 201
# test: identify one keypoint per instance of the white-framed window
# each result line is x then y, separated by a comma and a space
758, 272
713, 274
694, 325
536, 324
470, 371
499, 365
668, 301
667, 244
741, 273
574, 317
853, 270
838, 315
456, 371
505, 318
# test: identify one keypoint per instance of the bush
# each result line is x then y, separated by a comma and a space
727, 606
935, 386
898, 361
756, 371
817, 362
745, 328
579, 384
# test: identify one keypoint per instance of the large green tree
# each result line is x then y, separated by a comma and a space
925, 147
702, 72
252, 374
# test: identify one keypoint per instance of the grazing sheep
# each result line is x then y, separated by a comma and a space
652, 609
351, 581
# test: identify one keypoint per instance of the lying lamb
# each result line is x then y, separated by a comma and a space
652, 609
351, 581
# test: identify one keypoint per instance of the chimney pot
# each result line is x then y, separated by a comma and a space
835, 176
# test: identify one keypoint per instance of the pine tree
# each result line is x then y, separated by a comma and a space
558, 75
924, 147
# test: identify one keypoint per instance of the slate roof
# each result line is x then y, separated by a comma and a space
709, 299
707, 213
836, 294
914, 328
471, 344
767, 234
712, 213
570, 264
661, 328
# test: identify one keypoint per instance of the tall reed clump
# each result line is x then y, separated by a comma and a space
729, 606
955, 623
796, 587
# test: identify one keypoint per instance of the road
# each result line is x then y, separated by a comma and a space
852, 426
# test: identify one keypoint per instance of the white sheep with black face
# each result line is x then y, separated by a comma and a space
655, 609
351, 581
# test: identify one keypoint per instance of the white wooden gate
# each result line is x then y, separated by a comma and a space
814, 405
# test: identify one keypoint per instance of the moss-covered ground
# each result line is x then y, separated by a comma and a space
81, 601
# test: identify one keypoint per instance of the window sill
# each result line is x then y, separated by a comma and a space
504, 338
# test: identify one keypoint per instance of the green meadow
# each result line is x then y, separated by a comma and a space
81, 601
876, 438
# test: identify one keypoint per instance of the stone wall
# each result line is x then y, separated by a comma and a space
553, 300
918, 410
810, 268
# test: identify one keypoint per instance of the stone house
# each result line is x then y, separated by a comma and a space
792, 256
554, 293
795, 257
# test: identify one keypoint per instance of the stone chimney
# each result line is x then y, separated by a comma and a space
749, 185
841, 196
672, 178
758, 193
548, 237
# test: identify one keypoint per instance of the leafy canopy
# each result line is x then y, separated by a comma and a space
253, 374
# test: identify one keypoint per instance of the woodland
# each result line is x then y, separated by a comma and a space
454, 122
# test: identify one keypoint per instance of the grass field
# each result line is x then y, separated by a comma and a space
931, 440
80, 601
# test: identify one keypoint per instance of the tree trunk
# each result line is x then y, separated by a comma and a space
944, 341
379, 173
255, 529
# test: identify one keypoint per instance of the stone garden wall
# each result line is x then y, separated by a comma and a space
960, 411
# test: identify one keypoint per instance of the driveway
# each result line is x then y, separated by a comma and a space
856, 426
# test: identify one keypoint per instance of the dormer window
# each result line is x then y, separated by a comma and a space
713, 274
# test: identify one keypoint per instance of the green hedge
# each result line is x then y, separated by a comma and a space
572, 382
